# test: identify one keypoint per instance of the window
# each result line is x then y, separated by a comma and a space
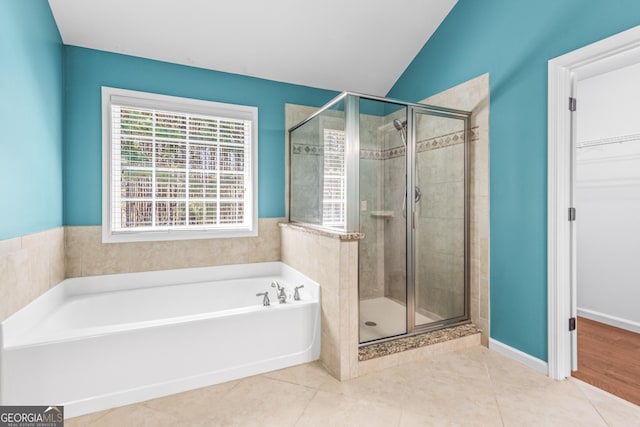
334, 191
177, 168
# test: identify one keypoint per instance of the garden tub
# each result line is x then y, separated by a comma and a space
99, 342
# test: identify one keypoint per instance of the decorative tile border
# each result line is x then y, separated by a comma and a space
434, 143
403, 344
308, 149
380, 154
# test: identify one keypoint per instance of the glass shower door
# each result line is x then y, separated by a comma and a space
439, 219
382, 220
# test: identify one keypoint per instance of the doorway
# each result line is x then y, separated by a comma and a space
607, 200
564, 239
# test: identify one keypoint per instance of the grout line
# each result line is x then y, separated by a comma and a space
493, 388
266, 375
591, 402
92, 422
306, 406
583, 384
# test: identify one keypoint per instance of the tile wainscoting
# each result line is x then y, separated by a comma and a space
29, 266
86, 255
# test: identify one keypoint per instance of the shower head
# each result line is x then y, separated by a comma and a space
399, 125
402, 127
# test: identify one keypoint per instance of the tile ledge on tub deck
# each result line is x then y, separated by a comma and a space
322, 232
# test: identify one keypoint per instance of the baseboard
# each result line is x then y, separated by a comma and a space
519, 356
607, 319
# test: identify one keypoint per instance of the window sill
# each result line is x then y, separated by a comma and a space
164, 235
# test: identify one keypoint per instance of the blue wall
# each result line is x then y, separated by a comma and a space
513, 40
30, 119
87, 70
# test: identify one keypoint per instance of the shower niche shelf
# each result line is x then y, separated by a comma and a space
382, 214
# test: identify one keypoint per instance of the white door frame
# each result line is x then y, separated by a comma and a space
564, 71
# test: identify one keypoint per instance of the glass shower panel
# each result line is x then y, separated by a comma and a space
439, 239
382, 219
318, 184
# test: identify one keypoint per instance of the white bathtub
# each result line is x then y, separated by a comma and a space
104, 341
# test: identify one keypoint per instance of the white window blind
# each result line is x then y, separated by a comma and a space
174, 171
334, 184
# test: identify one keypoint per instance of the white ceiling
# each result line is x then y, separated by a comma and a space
356, 45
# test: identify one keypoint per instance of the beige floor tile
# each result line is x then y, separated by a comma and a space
440, 419
460, 363
261, 402
196, 405
85, 420
560, 403
509, 376
440, 395
329, 409
311, 375
615, 411
386, 387
468, 387
132, 415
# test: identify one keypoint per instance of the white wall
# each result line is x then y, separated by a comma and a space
608, 199
609, 104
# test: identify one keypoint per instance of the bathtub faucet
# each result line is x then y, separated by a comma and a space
282, 296
265, 300
296, 295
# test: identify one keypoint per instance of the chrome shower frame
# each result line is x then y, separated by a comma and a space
352, 164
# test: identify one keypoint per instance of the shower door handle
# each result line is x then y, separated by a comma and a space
417, 195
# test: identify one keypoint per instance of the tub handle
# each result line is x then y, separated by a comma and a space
265, 300
296, 294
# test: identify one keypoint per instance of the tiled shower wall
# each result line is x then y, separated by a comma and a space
371, 268
394, 241
473, 96
440, 218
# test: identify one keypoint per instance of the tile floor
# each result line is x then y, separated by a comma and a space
471, 387
390, 318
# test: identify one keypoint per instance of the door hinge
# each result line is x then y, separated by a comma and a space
572, 324
572, 103
572, 214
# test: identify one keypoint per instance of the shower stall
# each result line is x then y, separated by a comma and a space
397, 173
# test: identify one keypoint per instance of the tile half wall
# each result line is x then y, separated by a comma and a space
29, 266
86, 255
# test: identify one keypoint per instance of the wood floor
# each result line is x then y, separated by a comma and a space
609, 358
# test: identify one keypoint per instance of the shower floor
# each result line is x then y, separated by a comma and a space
389, 316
